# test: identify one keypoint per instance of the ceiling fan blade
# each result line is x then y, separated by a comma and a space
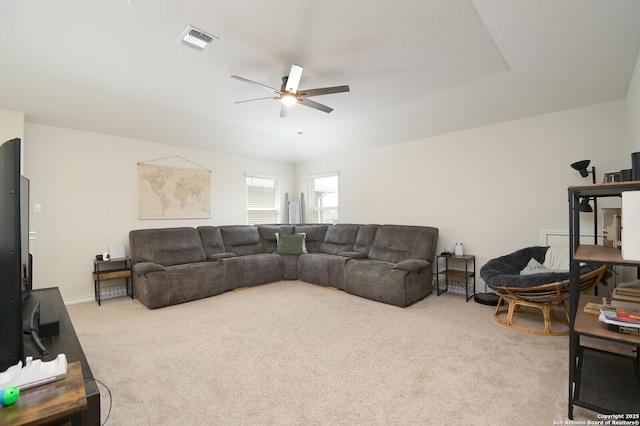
315, 105
284, 111
253, 83
257, 99
323, 91
293, 79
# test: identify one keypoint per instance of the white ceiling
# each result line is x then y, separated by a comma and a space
416, 68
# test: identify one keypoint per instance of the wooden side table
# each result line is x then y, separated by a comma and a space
113, 269
460, 276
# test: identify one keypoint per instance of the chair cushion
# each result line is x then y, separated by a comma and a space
504, 271
534, 267
557, 258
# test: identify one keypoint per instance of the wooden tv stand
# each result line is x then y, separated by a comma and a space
65, 342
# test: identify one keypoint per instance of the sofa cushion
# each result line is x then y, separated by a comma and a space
268, 235
383, 282
395, 243
212, 242
412, 265
146, 267
168, 246
314, 236
241, 240
194, 281
290, 265
339, 238
365, 237
291, 243
252, 269
322, 269
353, 254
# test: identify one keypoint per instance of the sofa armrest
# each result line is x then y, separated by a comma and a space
220, 256
412, 265
353, 254
146, 267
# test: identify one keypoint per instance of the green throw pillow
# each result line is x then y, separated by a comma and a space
291, 243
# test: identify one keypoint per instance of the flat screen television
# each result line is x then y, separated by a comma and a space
15, 261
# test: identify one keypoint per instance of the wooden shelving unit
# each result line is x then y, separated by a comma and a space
603, 381
600, 254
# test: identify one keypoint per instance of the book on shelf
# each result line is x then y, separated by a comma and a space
631, 288
594, 308
611, 227
617, 294
634, 331
620, 315
618, 300
629, 292
630, 315
618, 303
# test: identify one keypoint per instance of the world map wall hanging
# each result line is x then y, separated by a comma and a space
168, 192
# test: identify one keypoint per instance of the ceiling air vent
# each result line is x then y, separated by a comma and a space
196, 38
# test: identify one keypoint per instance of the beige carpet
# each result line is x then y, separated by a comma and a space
292, 353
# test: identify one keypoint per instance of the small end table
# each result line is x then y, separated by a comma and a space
460, 277
113, 269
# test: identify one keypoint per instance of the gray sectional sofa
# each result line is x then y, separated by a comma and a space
387, 263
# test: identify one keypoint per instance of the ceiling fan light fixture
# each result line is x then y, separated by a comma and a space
288, 99
196, 39
289, 95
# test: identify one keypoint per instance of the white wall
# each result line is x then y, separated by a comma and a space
11, 127
87, 185
493, 188
633, 109
633, 133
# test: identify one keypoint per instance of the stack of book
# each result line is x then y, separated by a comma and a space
626, 295
621, 320
622, 312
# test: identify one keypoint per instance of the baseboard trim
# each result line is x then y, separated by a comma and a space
76, 300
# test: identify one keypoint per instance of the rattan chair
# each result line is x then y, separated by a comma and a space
543, 299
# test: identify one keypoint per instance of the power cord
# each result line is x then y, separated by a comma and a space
110, 398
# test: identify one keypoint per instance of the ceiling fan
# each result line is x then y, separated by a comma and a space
290, 95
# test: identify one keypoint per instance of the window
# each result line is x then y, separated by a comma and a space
263, 195
323, 194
